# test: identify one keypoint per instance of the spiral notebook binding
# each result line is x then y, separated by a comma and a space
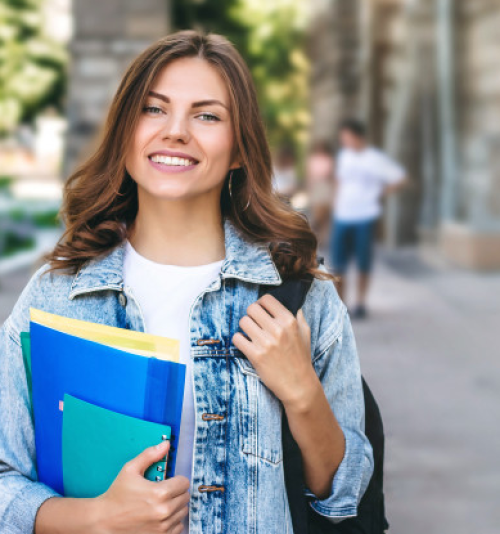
164, 469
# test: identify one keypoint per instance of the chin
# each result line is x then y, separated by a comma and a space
162, 192
170, 190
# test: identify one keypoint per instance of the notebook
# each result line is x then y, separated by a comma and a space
96, 444
136, 342
142, 387
26, 350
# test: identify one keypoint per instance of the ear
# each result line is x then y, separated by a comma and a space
236, 162
235, 165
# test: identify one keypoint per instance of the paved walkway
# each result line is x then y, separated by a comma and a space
430, 352
11, 285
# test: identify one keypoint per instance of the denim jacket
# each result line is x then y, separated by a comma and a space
241, 453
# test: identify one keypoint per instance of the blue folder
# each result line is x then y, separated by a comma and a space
137, 386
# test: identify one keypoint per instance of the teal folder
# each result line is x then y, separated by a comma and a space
26, 350
96, 444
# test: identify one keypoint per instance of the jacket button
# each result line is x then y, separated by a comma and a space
123, 299
212, 417
205, 489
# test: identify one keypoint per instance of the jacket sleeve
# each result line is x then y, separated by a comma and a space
336, 363
21, 494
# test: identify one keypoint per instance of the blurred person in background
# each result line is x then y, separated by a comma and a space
364, 175
319, 184
285, 180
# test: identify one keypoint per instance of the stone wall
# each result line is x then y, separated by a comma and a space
479, 76
108, 35
334, 45
428, 82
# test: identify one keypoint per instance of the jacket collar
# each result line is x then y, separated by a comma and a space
245, 260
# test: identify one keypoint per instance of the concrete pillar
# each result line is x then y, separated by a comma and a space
446, 46
334, 47
473, 238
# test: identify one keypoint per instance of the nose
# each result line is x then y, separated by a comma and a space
176, 129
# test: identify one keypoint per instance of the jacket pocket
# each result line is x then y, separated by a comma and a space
259, 416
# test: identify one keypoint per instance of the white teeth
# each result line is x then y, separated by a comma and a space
174, 161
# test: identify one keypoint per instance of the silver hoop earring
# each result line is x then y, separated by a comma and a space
230, 182
231, 190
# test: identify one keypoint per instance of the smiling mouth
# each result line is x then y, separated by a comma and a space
172, 161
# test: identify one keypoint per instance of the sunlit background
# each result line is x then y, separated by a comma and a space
425, 77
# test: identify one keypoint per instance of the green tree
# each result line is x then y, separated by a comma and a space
279, 66
32, 65
216, 16
270, 35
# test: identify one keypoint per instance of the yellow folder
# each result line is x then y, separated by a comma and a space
138, 343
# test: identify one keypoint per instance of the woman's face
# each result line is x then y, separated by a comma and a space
183, 144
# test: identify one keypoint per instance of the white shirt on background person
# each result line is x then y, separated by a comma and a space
362, 176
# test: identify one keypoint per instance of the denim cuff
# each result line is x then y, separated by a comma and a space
19, 516
349, 483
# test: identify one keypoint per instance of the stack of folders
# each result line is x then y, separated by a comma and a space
99, 395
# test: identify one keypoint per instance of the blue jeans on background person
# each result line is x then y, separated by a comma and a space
350, 239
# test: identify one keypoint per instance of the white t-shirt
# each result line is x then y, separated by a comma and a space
362, 176
165, 294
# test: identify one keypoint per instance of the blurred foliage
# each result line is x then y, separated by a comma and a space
40, 219
12, 243
216, 16
48, 219
5, 183
32, 65
270, 35
19, 222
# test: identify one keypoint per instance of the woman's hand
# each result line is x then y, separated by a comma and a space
134, 504
279, 348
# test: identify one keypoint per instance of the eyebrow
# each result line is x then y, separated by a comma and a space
198, 104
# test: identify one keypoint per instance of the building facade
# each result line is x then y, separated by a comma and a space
425, 76
107, 36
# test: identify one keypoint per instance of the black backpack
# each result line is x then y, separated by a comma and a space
371, 511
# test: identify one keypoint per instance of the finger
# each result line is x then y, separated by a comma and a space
149, 456
174, 487
179, 529
282, 314
251, 328
261, 317
304, 327
243, 344
180, 511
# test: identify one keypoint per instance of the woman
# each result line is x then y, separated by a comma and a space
171, 227
319, 180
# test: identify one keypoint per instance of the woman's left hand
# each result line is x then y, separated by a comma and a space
279, 348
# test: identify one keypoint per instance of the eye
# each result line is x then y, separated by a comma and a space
152, 109
208, 117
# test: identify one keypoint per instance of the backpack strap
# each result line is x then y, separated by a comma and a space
292, 294
371, 514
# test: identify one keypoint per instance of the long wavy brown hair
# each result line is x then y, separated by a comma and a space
100, 196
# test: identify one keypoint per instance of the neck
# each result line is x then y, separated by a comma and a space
174, 233
360, 146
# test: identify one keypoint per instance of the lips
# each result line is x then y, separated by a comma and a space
169, 163
174, 159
